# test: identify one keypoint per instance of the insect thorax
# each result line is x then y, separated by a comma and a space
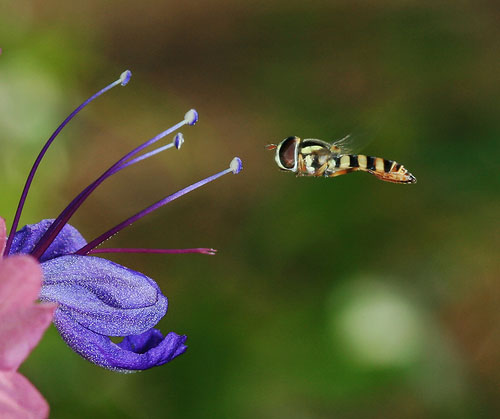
316, 156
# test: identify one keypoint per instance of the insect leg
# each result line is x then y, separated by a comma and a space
321, 170
343, 172
301, 166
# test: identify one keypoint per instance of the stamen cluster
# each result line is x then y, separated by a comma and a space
98, 298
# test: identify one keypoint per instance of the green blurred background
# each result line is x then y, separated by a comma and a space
346, 297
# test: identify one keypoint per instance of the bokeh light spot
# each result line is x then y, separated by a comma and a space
377, 326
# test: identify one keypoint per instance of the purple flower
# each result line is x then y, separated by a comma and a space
98, 298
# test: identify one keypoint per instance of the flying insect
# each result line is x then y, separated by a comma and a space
312, 157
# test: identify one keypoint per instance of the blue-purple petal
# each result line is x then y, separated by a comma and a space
150, 349
103, 296
69, 240
97, 299
153, 342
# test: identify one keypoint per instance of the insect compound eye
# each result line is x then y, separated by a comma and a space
286, 153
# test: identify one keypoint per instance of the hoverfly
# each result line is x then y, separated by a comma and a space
311, 157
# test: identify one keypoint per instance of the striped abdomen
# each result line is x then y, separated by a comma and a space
384, 169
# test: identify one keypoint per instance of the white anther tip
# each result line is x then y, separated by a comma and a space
178, 140
125, 77
191, 117
236, 165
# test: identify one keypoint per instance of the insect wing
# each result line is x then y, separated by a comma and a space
350, 144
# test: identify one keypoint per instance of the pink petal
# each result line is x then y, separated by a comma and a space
22, 321
20, 282
19, 399
20, 331
3, 236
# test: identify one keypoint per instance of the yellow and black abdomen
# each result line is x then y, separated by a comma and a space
384, 169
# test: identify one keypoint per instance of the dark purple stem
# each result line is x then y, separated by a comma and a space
96, 242
31, 175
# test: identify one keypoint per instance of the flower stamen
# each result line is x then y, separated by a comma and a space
234, 167
190, 118
177, 143
123, 80
201, 250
